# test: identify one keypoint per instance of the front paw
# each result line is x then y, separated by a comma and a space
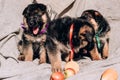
21, 57
56, 67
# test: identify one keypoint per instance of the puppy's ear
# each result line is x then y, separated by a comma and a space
25, 12
42, 7
25, 23
97, 13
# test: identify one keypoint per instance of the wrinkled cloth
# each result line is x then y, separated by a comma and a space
10, 32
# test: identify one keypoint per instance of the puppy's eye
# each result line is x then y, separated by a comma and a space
41, 13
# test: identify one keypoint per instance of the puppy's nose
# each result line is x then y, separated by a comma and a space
32, 22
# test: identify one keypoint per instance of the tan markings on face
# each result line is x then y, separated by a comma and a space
94, 23
83, 42
82, 37
25, 22
44, 17
84, 29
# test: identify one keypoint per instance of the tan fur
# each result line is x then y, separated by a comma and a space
44, 17
27, 52
95, 54
42, 55
82, 31
95, 25
25, 23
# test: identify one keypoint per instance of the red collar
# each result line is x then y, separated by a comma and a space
70, 40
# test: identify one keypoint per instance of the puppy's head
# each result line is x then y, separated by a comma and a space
97, 20
88, 14
35, 17
94, 17
83, 34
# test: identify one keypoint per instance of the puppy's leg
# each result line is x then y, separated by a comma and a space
21, 57
42, 54
95, 54
28, 52
65, 51
55, 60
54, 54
20, 46
105, 50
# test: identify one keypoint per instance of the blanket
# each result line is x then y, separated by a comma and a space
10, 32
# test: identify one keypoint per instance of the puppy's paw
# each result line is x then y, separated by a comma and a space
104, 57
21, 57
56, 67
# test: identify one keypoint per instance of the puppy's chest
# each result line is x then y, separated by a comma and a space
34, 39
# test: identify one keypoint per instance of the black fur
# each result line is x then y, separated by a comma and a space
101, 21
33, 14
57, 42
33, 42
102, 29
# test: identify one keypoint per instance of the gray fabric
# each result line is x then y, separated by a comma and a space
11, 18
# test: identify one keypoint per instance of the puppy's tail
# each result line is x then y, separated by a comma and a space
34, 1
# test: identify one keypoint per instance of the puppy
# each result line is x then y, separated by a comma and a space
102, 30
34, 33
58, 41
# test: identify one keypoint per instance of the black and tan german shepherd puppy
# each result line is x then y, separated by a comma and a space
58, 40
35, 19
102, 32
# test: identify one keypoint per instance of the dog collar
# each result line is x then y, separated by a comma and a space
23, 26
98, 39
70, 40
44, 30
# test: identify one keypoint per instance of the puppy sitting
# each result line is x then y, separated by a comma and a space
58, 42
34, 33
102, 30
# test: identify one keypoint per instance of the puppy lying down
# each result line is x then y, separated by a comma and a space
58, 40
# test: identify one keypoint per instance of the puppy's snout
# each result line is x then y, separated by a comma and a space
32, 22
35, 21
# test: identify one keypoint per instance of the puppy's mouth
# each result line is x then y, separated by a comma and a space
35, 30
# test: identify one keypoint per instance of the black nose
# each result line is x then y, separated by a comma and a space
32, 22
